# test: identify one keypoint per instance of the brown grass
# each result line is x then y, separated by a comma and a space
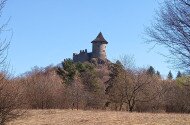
73, 117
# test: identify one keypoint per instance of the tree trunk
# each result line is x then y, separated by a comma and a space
131, 105
131, 109
120, 106
115, 107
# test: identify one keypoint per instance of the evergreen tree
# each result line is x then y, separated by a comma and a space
116, 70
86, 71
158, 74
151, 71
179, 74
170, 75
89, 76
116, 86
67, 71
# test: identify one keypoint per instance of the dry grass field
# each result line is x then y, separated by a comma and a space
74, 117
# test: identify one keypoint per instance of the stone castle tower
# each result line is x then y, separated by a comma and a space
98, 50
99, 47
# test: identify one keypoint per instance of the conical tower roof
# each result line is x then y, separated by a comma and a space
100, 38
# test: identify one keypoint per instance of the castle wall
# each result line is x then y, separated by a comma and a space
99, 50
82, 56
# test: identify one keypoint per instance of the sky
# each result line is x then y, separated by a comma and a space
46, 32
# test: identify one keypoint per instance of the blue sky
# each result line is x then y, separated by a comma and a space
48, 31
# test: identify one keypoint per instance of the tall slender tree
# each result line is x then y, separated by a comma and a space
170, 75
179, 74
158, 74
151, 71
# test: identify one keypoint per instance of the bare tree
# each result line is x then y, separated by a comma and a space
130, 86
10, 100
9, 92
171, 29
141, 88
38, 84
176, 98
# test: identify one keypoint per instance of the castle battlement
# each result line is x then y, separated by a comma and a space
98, 50
83, 51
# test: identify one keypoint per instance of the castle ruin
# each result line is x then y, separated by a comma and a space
98, 51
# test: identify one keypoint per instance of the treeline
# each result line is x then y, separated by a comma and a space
111, 86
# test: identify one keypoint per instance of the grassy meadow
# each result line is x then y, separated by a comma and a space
80, 117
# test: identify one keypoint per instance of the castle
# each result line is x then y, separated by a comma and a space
98, 51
